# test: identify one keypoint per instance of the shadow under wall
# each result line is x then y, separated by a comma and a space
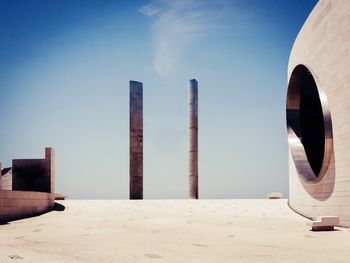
56, 207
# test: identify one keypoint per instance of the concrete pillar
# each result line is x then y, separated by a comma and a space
0, 175
136, 140
193, 138
50, 162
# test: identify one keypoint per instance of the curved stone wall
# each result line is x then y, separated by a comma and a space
322, 47
21, 204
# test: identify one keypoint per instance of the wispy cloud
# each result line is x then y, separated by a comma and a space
149, 10
178, 24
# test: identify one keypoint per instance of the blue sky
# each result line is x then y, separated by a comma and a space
64, 73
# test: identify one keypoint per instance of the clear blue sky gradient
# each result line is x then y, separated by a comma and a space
65, 67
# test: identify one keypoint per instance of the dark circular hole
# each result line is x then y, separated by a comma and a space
305, 116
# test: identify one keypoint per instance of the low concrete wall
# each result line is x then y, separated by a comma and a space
21, 204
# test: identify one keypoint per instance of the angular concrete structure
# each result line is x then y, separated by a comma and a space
193, 138
6, 179
318, 110
136, 140
37, 175
27, 188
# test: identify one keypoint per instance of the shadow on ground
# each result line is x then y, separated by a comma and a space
56, 207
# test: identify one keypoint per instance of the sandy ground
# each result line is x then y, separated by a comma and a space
171, 231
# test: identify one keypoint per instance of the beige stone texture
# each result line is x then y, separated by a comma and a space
323, 46
172, 231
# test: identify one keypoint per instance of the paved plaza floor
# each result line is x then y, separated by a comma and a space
171, 231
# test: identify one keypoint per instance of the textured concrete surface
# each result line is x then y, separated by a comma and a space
171, 231
36, 175
33, 185
323, 45
21, 204
136, 140
193, 138
6, 179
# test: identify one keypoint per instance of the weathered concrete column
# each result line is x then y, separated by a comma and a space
0, 176
50, 162
193, 140
136, 140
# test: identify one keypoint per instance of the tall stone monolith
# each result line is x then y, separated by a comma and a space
193, 138
136, 140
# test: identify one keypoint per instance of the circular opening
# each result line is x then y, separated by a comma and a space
309, 125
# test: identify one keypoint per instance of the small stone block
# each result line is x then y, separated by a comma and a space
324, 223
275, 195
